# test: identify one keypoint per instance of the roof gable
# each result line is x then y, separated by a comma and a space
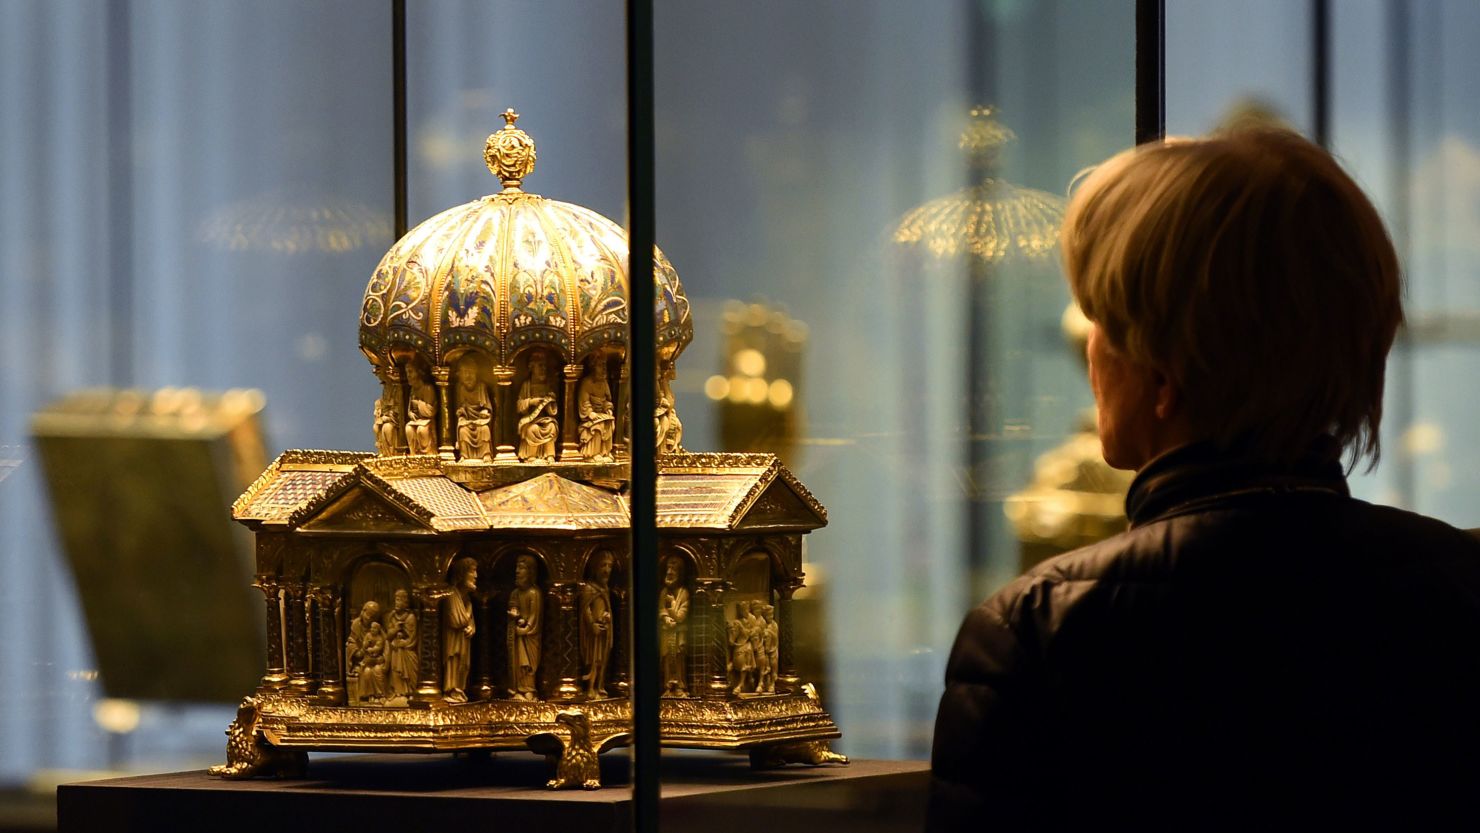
295, 485
362, 509
550, 501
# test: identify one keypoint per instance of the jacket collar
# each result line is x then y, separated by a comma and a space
1202, 473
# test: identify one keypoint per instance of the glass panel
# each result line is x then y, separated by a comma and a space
549, 271
909, 373
196, 194
1403, 120
1231, 61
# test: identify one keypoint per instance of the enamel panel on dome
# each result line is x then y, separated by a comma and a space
537, 302
398, 296
599, 249
671, 306
469, 301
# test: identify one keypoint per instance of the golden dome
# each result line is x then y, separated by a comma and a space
511, 271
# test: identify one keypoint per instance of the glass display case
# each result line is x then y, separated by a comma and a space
861, 199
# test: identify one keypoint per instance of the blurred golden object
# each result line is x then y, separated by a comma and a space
1075, 498
756, 390
443, 595
993, 220
138, 482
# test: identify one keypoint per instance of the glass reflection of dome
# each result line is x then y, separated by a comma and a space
993, 220
295, 221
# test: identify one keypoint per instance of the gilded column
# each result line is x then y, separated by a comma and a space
503, 422
315, 637
565, 648
621, 433
275, 676
295, 597
331, 646
429, 635
570, 447
710, 647
444, 413
786, 674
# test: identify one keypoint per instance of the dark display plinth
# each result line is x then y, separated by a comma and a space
708, 793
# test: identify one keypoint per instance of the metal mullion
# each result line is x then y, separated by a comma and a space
1151, 87
642, 356
398, 111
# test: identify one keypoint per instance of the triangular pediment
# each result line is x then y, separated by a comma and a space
553, 502
362, 510
778, 506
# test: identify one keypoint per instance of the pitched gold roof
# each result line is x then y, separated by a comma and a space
295, 483
695, 491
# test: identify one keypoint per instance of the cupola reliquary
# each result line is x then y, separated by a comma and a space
464, 587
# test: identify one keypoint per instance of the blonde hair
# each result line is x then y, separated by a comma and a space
1253, 271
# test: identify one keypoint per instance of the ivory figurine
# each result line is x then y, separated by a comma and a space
673, 614
354, 646
400, 629
457, 631
538, 427
596, 625
669, 428
598, 418
420, 438
525, 604
474, 414
386, 427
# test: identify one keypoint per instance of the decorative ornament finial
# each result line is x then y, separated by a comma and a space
984, 136
509, 153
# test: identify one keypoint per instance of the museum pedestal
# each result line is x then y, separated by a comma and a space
708, 793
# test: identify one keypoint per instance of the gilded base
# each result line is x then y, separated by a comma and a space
296, 723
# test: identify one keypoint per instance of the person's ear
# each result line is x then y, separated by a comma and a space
1168, 395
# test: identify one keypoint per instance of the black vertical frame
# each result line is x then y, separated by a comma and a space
398, 112
642, 232
1151, 87
1320, 71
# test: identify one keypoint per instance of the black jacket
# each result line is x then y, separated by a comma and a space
1259, 649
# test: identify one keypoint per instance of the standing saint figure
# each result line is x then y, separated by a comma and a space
669, 428
755, 623
354, 647
525, 603
673, 614
420, 412
770, 642
400, 629
742, 656
596, 625
474, 413
457, 631
598, 419
386, 427
538, 426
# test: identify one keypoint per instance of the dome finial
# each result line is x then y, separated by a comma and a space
984, 137
509, 153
